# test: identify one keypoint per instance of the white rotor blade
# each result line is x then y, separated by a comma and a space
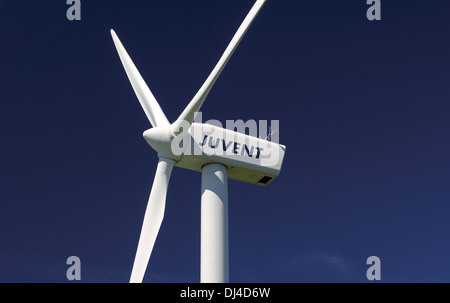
148, 102
154, 215
195, 104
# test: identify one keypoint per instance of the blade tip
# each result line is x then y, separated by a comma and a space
113, 33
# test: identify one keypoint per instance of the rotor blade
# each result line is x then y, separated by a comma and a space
154, 215
195, 104
148, 102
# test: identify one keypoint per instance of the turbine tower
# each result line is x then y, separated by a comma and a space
217, 153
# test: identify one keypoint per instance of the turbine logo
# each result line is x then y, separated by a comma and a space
245, 149
249, 127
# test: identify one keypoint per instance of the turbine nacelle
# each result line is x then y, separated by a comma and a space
248, 159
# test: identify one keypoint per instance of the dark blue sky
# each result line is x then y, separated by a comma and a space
363, 108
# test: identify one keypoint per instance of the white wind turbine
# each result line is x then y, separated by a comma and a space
240, 157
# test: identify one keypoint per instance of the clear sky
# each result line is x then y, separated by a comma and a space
363, 108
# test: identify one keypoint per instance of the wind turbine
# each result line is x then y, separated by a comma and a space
216, 152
